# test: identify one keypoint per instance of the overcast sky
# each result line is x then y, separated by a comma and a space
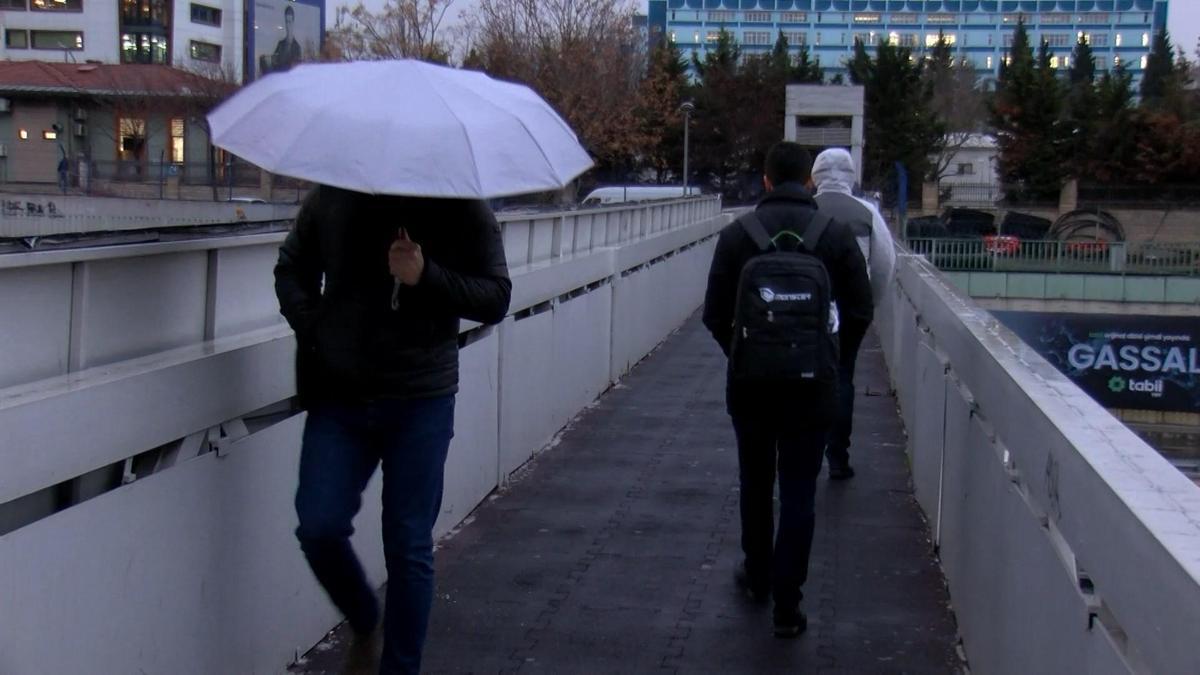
1183, 22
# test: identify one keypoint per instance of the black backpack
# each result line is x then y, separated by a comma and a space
785, 321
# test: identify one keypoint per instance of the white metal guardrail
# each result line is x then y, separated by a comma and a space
149, 453
1069, 545
1010, 254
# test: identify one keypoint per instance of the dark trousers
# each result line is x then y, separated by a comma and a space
343, 443
768, 439
838, 447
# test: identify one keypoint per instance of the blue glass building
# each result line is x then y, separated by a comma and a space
1119, 31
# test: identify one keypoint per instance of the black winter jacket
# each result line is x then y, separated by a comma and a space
335, 289
787, 206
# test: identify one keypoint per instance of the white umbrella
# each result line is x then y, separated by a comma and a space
402, 128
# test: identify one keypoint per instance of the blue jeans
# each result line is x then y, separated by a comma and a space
769, 438
343, 443
838, 447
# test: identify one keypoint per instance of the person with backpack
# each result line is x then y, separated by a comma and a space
834, 177
784, 280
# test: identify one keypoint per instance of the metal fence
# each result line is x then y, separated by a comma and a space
993, 195
1010, 254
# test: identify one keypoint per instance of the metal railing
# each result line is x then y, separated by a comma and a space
1010, 254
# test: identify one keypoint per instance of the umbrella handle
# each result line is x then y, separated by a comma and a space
395, 294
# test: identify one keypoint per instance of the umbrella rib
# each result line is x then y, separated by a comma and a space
466, 135
532, 136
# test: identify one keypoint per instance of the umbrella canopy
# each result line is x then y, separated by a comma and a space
401, 128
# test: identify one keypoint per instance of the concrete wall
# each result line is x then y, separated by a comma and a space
157, 356
1069, 545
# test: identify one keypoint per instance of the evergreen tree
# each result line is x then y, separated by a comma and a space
806, 69
1026, 110
957, 103
1159, 78
900, 125
716, 127
660, 123
1081, 117
1113, 145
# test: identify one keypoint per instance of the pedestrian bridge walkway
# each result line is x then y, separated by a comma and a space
149, 450
613, 551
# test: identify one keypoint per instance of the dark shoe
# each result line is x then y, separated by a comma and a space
757, 593
790, 624
841, 472
364, 624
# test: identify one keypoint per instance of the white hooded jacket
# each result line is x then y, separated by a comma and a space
833, 171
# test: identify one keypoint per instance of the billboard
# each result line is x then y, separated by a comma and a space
284, 33
1131, 362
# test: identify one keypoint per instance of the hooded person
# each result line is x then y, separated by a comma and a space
834, 177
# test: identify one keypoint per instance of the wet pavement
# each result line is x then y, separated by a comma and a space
613, 551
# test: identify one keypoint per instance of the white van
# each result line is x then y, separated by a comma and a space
620, 194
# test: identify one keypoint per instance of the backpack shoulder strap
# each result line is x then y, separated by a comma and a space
756, 231
815, 230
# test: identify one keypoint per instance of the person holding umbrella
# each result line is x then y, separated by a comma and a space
391, 250
378, 379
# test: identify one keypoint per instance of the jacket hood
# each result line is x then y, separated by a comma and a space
833, 171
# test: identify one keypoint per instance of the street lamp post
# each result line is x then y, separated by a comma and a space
686, 107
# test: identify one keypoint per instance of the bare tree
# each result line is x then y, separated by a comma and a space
957, 101
146, 100
403, 29
584, 56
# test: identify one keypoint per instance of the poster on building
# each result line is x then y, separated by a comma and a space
286, 32
1130, 362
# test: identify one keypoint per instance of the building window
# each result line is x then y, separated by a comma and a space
712, 36
671, 37
1013, 18
1118, 39
758, 17
177, 136
931, 39
794, 17
695, 37
144, 48
966, 169
16, 39
720, 17
56, 5
209, 16
1145, 39
990, 63
756, 37
131, 138
70, 40
1093, 18
1058, 39
1116, 60
903, 18
12, 4
1145, 61
942, 18
204, 51
23, 134
146, 13
1054, 63
1056, 17
1098, 40
49, 135
796, 38
867, 18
